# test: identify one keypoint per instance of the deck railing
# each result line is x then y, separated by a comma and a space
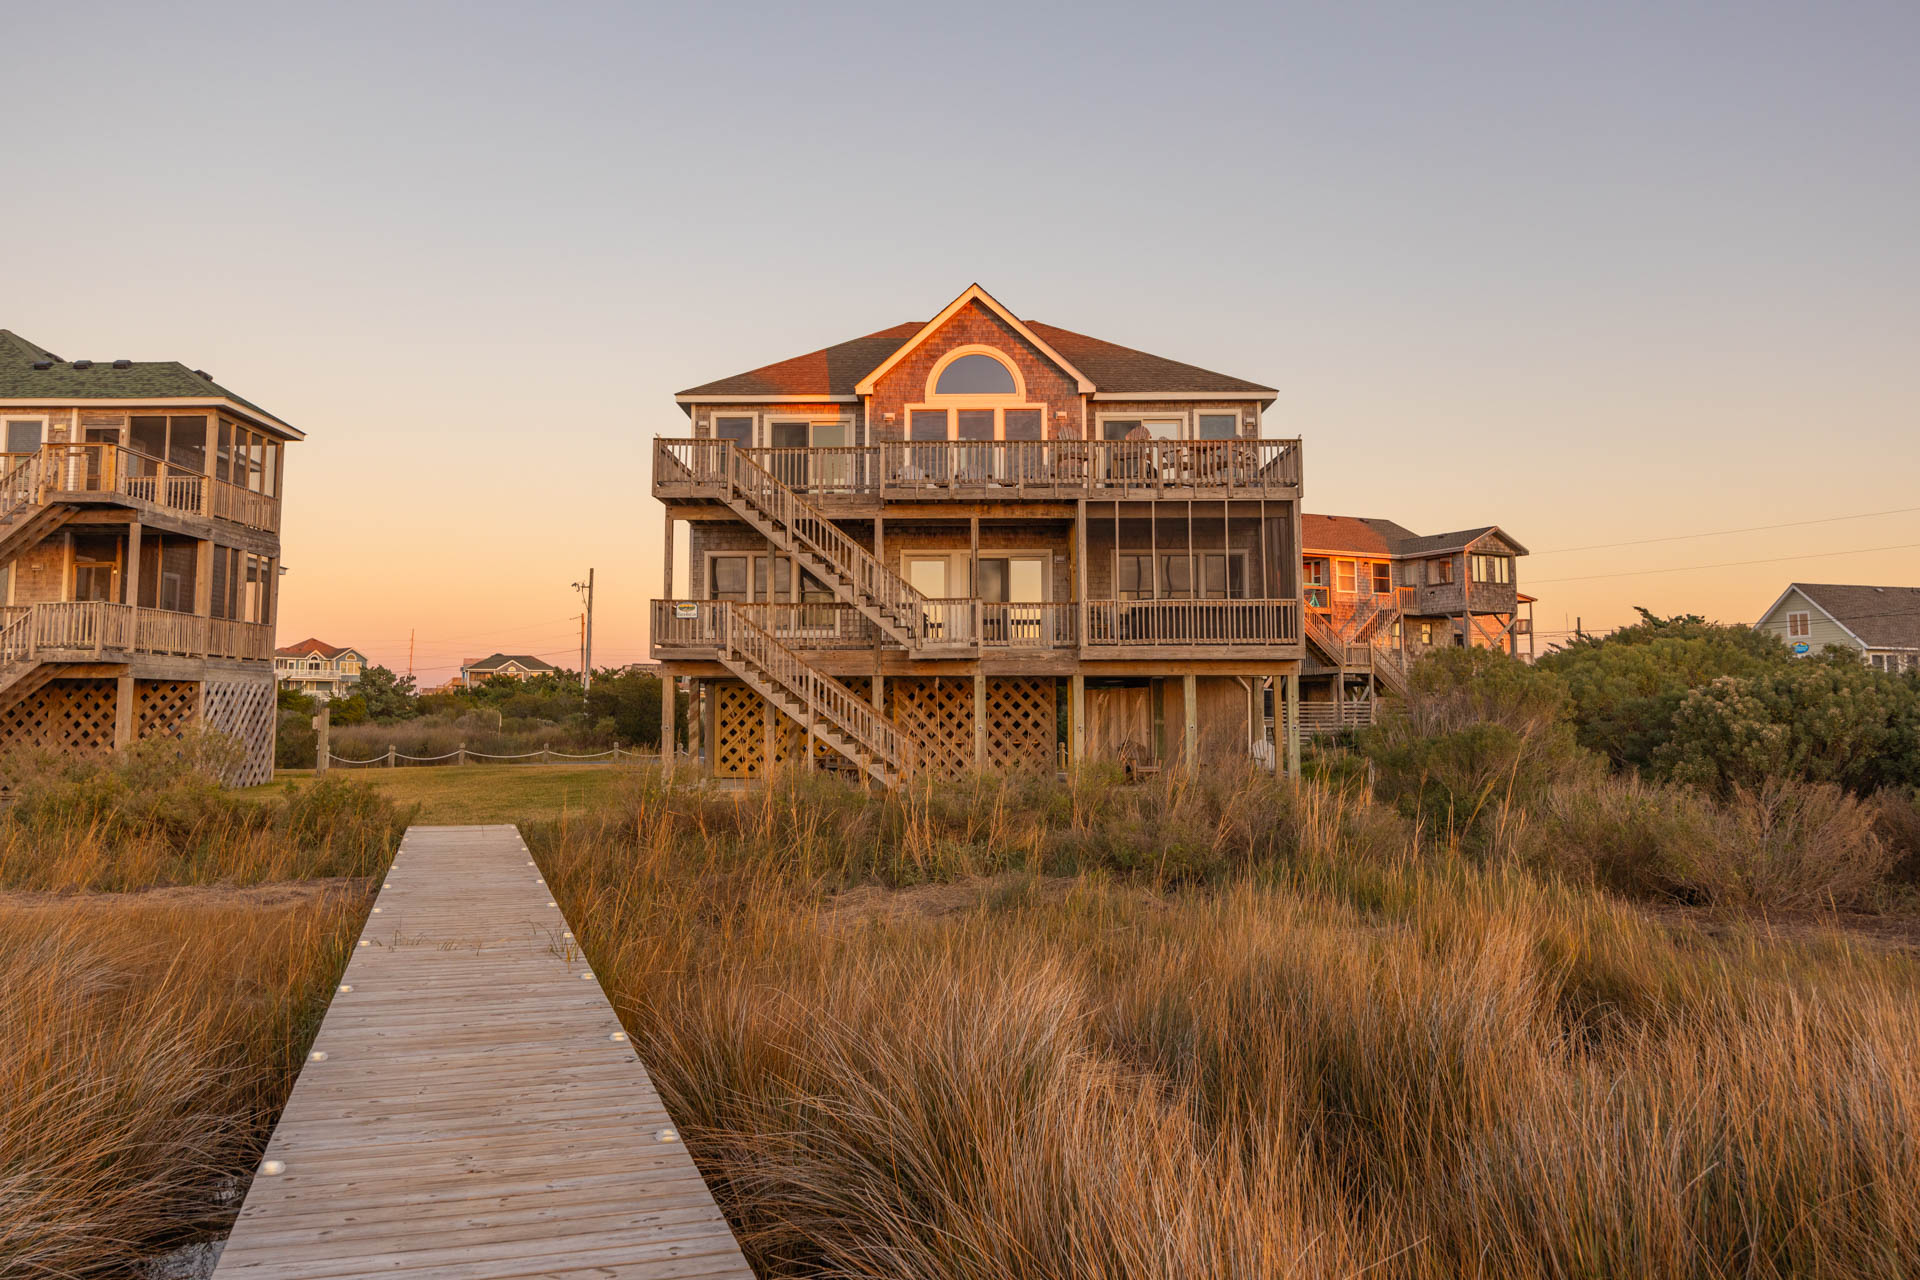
1181, 623
1332, 717
995, 468
94, 467
986, 624
91, 626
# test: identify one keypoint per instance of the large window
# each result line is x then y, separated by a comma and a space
1217, 426
1140, 428
1222, 576
1440, 572
737, 429
24, 434
1494, 569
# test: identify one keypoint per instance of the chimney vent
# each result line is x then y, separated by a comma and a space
83, 364
123, 364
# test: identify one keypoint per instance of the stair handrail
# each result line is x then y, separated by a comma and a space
20, 486
847, 710
888, 591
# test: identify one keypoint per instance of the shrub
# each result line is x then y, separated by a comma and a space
1477, 735
1783, 846
1623, 688
1829, 719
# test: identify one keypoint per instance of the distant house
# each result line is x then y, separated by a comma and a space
1378, 596
516, 666
318, 669
1881, 624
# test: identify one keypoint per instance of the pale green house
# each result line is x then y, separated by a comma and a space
1881, 624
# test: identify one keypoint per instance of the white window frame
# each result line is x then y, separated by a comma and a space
1182, 417
45, 421
752, 415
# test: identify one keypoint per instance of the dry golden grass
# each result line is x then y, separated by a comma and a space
1288, 1043
145, 1047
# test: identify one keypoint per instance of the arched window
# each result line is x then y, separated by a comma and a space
975, 374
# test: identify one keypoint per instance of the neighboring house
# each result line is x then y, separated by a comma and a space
1378, 596
1881, 624
515, 666
318, 669
139, 554
909, 547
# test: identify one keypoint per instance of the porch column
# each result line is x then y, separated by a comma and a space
130, 577
1189, 687
1076, 720
666, 569
696, 720
1079, 596
123, 714
709, 709
666, 721
979, 721
1293, 725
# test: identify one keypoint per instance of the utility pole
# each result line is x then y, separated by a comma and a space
586, 639
409, 653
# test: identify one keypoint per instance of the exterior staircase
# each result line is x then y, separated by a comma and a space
841, 718
855, 575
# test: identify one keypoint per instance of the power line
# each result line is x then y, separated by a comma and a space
1728, 564
1716, 533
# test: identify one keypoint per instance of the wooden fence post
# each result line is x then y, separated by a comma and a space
463, 754
322, 749
391, 757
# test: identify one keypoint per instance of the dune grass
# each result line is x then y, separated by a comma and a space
166, 951
1219, 1027
474, 793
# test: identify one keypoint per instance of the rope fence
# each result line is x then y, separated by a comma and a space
393, 758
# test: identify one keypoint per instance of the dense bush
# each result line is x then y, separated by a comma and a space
1828, 719
1477, 736
1624, 688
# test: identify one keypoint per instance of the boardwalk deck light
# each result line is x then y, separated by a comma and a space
345, 987
318, 1055
618, 1035
272, 1168
667, 1135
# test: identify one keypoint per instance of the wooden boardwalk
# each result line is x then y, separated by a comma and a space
477, 1111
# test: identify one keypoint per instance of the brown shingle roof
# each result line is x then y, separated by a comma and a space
1112, 368
830, 371
1883, 617
1373, 536
1123, 370
311, 646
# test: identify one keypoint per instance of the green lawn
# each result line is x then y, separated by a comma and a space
479, 793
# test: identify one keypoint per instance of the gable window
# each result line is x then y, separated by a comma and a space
1799, 624
975, 374
1495, 569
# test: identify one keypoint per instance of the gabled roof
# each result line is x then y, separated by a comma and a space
847, 370
1878, 617
973, 293
311, 647
499, 660
1375, 536
29, 371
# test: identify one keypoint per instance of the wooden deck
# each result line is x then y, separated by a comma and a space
478, 1111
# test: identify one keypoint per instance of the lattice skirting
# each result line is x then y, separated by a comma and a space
1021, 721
74, 717
247, 710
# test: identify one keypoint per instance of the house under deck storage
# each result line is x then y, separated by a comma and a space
977, 542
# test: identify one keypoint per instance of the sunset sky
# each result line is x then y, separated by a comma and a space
1622, 279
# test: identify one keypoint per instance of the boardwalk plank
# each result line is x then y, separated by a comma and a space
473, 1115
